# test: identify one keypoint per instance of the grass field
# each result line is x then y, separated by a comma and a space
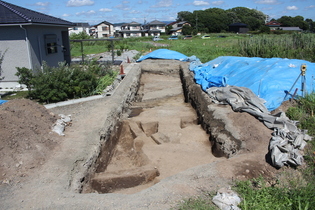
299, 46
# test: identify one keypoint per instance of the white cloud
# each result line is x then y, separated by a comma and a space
201, 3
310, 7
66, 15
105, 10
42, 4
217, 3
86, 13
292, 8
134, 12
79, 3
267, 2
123, 7
163, 3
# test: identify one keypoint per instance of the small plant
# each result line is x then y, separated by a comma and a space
198, 203
1, 60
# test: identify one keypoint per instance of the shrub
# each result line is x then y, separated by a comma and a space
25, 77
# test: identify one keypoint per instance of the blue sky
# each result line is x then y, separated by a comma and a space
116, 11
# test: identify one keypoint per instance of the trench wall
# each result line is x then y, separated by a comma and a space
97, 142
214, 118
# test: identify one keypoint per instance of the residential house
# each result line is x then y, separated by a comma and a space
273, 25
104, 29
154, 28
117, 28
291, 29
238, 28
80, 27
132, 29
28, 38
177, 27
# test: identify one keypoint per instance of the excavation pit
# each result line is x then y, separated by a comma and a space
160, 137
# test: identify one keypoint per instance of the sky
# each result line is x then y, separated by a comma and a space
117, 11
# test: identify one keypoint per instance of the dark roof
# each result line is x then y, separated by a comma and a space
105, 22
12, 14
133, 23
86, 25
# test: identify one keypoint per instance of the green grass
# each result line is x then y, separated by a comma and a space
14, 95
199, 203
205, 50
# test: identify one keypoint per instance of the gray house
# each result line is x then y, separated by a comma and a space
27, 38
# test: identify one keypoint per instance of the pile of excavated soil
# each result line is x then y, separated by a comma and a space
26, 140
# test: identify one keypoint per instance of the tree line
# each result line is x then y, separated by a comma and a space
216, 20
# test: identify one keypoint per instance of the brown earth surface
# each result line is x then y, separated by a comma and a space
26, 139
27, 144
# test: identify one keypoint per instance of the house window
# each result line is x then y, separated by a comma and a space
51, 43
104, 28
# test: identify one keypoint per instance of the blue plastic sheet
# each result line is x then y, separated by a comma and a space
268, 78
163, 54
3, 101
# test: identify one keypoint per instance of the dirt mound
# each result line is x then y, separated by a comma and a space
26, 139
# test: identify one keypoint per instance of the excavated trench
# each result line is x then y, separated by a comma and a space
159, 136
166, 128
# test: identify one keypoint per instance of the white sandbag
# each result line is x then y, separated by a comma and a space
227, 199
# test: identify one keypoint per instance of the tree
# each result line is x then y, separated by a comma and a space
187, 30
285, 21
184, 16
81, 35
168, 29
311, 25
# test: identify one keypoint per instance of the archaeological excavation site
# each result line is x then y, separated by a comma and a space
151, 141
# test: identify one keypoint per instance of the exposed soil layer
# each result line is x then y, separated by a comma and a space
160, 141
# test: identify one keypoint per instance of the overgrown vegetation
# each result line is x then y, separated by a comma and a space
256, 194
297, 46
54, 84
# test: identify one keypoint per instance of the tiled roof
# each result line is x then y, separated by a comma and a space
156, 22
12, 14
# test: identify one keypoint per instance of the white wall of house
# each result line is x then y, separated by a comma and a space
105, 30
131, 34
78, 29
158, 27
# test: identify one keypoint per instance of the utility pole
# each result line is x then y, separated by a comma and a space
196, 23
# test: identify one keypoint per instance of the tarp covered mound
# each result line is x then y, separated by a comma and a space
268, 78
163, 54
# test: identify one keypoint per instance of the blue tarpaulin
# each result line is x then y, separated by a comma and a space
3, 101
163, 54
268, 78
